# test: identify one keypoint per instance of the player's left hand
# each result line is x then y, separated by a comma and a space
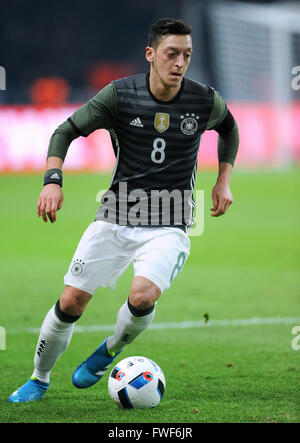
222, 199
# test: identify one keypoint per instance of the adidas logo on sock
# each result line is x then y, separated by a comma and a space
137, 122
41, 347
125, 337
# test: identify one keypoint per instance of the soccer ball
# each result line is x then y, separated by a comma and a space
136, 382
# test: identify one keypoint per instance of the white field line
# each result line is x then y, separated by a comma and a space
183, 325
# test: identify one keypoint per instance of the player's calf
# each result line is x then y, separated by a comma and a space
143, 293
55, 336
131, 321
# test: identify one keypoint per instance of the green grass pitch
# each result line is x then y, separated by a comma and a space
245, 265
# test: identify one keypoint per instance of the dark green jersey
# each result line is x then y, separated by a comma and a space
156, 145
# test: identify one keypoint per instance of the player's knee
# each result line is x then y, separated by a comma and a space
73, 301
143, 293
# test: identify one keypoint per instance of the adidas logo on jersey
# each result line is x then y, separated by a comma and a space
137, 122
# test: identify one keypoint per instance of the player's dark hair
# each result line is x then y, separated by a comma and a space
165, 26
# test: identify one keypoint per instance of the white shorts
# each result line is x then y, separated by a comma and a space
106, 250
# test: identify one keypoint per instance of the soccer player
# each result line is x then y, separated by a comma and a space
155, 121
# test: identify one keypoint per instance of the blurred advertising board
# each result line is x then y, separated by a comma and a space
269, 137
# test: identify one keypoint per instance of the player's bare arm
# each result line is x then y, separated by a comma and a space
51, 197
221, 193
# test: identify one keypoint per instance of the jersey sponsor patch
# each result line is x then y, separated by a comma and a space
189, 124
161, 121
77, 268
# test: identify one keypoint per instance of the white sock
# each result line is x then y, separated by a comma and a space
55, 336
129, 326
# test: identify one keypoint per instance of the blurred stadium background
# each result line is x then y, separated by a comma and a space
55, 60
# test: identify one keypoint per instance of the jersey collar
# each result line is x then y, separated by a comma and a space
161, 102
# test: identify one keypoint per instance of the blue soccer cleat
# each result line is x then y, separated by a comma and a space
94, 367
32, 390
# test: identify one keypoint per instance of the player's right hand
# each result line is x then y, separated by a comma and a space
50, 200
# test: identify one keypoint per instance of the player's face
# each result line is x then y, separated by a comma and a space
171, 58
